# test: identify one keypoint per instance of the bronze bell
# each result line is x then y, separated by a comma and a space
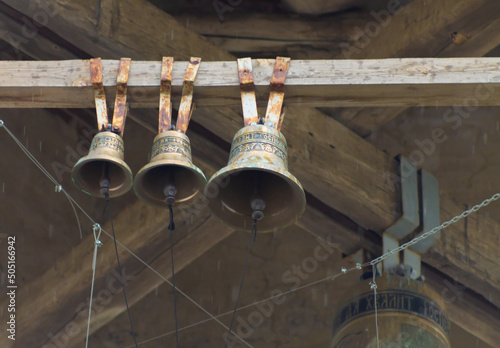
171, 176
105, 160
103, 170
257, 168
256, 184
170, 164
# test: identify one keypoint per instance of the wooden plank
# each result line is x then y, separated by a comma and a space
387, 82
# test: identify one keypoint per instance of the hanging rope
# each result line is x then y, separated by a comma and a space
97, 245
373, 285
253, 237
171, 227
122, 281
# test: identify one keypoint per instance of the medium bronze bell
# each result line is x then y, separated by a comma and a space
171, 177
170, 164
257, 168
105, 160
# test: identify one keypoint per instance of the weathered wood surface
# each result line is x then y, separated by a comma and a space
387, 82
263, 35
449, 28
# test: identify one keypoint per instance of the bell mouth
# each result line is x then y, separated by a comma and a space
87, 174
231, 190
151, 180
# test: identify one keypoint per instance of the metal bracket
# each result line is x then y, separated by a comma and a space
430, 207
185, 109
247, 88
120, 112
165, 93
410, 219
99, 95
274, 107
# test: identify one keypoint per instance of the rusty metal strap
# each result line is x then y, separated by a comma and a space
165, 93
275, 104
120, 112
247, 87
99, 95
185, 109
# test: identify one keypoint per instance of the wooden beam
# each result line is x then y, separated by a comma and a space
265, 35
448, 29
386, 82
110, 29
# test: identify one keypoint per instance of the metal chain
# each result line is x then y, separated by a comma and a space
445, 224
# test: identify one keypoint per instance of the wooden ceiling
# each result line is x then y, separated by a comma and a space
342, 156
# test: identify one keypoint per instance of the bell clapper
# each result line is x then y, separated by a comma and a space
258, 205
105, 182
170, 191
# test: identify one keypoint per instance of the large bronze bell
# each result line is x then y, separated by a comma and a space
256, 184
170, 164
171, 176
103, 172
105, 160
257, 167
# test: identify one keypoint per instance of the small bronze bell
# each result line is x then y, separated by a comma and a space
103, 170
170, 164
256, 184
171, 175
105, 160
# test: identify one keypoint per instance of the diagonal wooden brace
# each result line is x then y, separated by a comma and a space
274, 107
165, 118
120, 112
99, 95
185, 109
247, 87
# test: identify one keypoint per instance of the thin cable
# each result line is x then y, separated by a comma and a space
28, 154
374, 287
457, 218
171, 227
76, 214
106, 195
247, 306
97, 244
253, 236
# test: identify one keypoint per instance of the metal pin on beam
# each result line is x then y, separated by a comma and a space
99, 95
185, 109
275, 104
120, 112
247, 88
165, 93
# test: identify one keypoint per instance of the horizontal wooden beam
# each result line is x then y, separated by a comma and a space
347, 83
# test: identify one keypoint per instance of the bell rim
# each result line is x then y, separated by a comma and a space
129, 179
267, 168
152, 165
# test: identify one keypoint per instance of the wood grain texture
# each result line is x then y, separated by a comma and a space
385, 82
